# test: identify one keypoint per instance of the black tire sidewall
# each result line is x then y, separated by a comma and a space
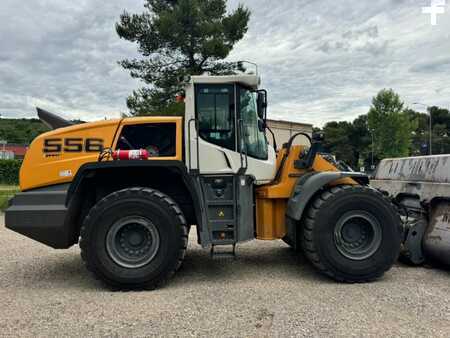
323, 234
128, 204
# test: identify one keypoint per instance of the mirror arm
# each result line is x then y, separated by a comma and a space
274, 139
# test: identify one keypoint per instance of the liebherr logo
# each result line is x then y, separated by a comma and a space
436, 7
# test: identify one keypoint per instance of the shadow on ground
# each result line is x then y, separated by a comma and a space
65, 269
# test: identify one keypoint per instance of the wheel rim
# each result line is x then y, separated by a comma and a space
357, 235
132, 242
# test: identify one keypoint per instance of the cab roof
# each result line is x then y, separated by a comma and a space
251, 81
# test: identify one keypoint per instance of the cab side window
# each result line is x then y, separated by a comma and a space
159, 139
215, 113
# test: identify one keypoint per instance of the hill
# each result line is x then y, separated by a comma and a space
21, 131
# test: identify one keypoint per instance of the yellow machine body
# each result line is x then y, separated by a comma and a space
41, 168
272, 199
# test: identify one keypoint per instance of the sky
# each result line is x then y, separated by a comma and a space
320, 60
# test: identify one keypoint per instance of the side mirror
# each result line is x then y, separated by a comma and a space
262, 104
318, 137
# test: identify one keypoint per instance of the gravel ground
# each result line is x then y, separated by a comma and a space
267, 291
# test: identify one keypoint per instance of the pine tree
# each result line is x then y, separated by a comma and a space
178, 38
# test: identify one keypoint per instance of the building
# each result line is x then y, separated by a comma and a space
283, 131
13, 151
6, 155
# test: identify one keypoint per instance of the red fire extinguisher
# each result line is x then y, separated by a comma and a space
128, 155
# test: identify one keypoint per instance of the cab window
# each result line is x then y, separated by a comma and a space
159, 139
215, 114
254, 140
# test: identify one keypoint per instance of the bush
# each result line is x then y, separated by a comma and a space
5, 195
9, 171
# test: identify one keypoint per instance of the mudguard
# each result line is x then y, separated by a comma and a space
305, 190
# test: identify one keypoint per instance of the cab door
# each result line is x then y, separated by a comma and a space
217, 131
228, 139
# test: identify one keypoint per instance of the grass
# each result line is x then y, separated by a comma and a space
6, 192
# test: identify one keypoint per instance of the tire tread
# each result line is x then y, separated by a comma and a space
148, 193
308, 226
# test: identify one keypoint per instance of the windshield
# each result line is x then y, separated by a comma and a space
255, 140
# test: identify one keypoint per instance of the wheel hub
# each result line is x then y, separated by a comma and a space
135, 238
132, 242
357, 235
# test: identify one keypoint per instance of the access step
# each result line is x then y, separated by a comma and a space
223, 251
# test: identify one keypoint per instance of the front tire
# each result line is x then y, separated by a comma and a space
135, 238
351, 234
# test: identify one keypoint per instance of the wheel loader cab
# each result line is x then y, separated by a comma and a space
227, 153
225, 128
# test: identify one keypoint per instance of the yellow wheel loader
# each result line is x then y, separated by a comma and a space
128, 190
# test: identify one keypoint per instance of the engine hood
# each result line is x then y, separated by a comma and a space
55, 157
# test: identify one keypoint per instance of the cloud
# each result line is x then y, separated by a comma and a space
63, 55
440, 65
319, 59
338, 55
363, 39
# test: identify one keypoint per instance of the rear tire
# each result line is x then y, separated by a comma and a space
351, 234
135, 238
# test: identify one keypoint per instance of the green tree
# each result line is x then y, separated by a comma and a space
440, 116
391, 126
441, 139
421, 134
178, 38
419, 139
441, 130
361, 140
337, 141
348, 141
21, 131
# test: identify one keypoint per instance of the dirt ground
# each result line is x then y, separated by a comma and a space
267, 291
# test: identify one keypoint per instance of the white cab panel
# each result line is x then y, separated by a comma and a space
214, 159
217, 160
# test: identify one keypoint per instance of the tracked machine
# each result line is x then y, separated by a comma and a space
128, 191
